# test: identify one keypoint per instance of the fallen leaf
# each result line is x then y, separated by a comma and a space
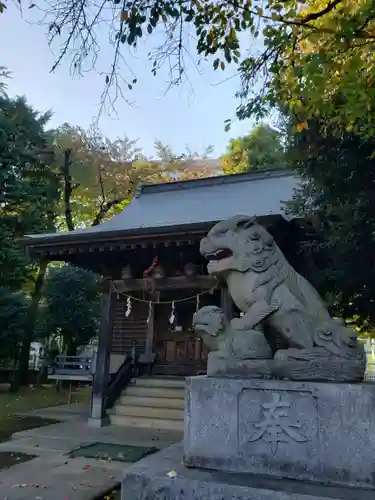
172, 473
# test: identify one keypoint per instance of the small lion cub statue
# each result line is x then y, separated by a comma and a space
224, 342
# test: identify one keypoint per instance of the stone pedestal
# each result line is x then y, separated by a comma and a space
249, 439
319, 432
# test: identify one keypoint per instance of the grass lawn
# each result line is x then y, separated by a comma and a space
32, 399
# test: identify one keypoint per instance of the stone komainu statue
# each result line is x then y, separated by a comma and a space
272, 295
224, 342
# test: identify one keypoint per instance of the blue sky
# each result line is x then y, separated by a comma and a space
192, 114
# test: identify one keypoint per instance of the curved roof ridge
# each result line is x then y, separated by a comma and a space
211, 181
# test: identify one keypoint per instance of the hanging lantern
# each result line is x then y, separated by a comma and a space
190, 270
126, 272
158, 272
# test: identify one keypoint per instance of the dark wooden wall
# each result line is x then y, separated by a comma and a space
125, 330
178, 353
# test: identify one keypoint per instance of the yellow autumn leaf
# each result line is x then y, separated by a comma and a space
260, 11
302, 126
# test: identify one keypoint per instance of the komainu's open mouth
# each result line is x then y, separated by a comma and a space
199, 327
219, 254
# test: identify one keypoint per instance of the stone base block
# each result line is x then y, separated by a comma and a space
163, 477
320, 369
99, 422
319, 432
246, 368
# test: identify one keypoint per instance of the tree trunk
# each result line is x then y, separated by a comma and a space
32, 314
68, 189
71, 349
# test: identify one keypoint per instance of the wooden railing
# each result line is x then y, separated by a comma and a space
119, 382
76, 368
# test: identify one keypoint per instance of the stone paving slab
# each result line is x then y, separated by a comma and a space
52, 475
39, 444
81, 433
76, 411
150, 479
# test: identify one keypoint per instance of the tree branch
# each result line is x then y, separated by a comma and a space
313, 16
68, 189
104, 209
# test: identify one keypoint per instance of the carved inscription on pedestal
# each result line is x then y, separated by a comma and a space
269, 420
276, 426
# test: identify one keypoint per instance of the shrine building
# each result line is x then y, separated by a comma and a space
154, 277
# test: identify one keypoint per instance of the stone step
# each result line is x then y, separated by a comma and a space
148, 411
154, 392
172, 383
155, 402
148, 423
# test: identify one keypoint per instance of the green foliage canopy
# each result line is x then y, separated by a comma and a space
262, 148
337, 198
29, 187
70, 306
13, 316
316, 56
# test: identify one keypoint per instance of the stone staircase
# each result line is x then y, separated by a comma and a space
151, 402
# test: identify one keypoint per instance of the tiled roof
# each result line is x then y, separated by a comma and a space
184, 203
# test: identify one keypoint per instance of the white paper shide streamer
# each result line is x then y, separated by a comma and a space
128, 307
149, 311
172, 317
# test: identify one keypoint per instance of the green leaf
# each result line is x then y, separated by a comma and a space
131, 38
154, 20
227, 55
216, 63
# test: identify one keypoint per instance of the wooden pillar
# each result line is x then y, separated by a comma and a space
150, 331
98, 416
226, 305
